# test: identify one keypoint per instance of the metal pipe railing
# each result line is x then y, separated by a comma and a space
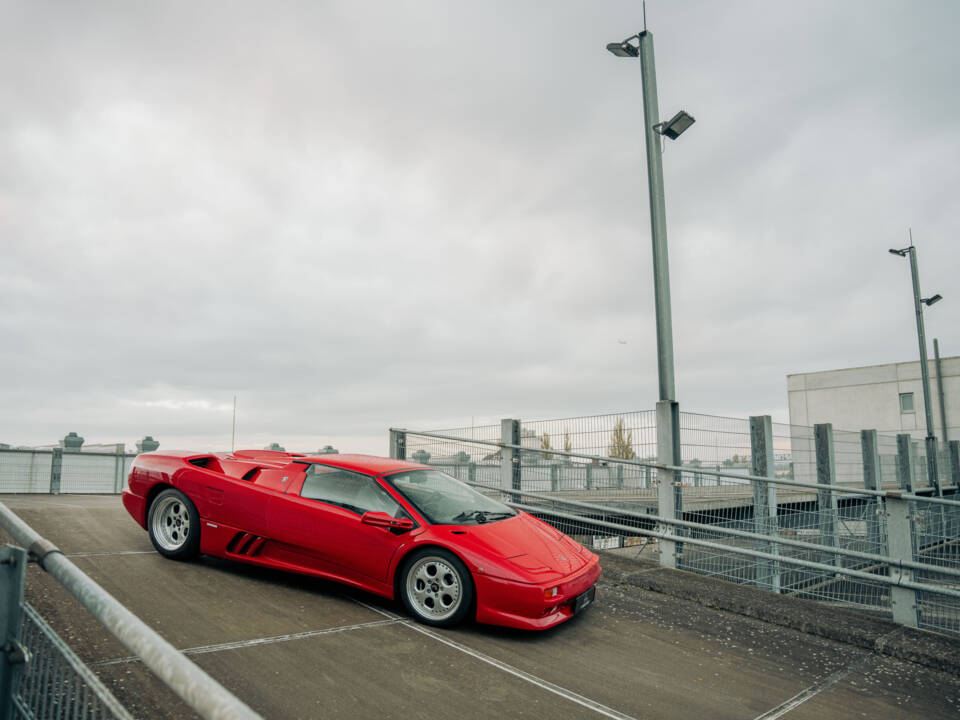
719, 529
200, 691
786, 559
680, 468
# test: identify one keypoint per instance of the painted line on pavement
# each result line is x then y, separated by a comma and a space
801, 697
202, 649
115, 552
500, 665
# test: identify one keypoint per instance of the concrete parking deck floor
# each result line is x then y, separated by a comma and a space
295, 647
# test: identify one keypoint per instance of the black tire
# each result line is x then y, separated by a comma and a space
436, 587
174, 525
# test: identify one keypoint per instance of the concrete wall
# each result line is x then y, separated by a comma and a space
869, 397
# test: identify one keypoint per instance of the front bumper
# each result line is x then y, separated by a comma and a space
522, 605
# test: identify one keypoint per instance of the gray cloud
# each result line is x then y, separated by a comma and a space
358, 216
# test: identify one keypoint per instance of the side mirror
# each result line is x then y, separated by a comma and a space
382, 520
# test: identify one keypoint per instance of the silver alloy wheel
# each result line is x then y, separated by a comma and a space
171, 523
434, 588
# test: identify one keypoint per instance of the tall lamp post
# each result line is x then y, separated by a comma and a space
641, 45
670, 491
918, 303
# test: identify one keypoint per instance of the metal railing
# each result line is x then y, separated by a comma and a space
850, 536
52, 680
56, 683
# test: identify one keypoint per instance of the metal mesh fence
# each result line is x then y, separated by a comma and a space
848, 457
25, 471
93, 473
815, 543
936, 542
43, 471
887, 449
626, 435
56, 683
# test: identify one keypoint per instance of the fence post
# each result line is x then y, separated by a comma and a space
953, 450
764, 499
669, 489
900, 539
589, 476
117, 471
509, 457
932, 469
398, 444
554, 477
826, 498
906, 460
619, 477
872, 481
56, 467
13, 656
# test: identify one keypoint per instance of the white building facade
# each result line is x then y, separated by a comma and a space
886, 398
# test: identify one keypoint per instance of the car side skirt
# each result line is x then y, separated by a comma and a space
232, 543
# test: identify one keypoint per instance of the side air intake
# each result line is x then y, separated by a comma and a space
246, 544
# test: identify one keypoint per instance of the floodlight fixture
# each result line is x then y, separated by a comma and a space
625, 48
932, 299
901, 253
675, 126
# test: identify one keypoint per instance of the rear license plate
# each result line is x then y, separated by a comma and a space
584, 599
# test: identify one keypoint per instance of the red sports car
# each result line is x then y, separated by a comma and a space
390, 527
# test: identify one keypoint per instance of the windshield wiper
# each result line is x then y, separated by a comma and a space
481, 516
477, 515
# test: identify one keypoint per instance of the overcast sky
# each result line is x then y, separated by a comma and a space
354, 215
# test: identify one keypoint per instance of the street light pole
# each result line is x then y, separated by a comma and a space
653, 129
670, 492
921, 335
918, 303
658, 220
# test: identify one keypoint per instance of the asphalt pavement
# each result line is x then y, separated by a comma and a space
657, 644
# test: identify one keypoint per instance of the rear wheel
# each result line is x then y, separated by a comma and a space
436, 587
174, 525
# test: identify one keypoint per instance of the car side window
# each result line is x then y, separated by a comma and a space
351, 491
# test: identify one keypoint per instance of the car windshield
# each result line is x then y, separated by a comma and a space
444, 500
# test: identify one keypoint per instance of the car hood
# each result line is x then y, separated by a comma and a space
535, 549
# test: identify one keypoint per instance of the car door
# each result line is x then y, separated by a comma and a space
325, 520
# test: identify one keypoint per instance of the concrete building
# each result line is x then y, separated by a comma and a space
887, 398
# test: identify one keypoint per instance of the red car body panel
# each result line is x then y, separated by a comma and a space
251, 511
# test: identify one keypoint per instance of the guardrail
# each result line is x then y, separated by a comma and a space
890, 550
42, 678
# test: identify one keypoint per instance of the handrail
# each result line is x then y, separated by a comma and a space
720, 529
194, 686
786, 559
699, 471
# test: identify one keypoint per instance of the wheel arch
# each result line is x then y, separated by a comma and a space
415, 547
151, 495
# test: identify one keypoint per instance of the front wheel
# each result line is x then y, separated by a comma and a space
436, 587
174, 525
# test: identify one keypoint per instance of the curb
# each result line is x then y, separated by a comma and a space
851, 627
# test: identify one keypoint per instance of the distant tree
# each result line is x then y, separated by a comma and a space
621, 442
567, 445
545, 445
